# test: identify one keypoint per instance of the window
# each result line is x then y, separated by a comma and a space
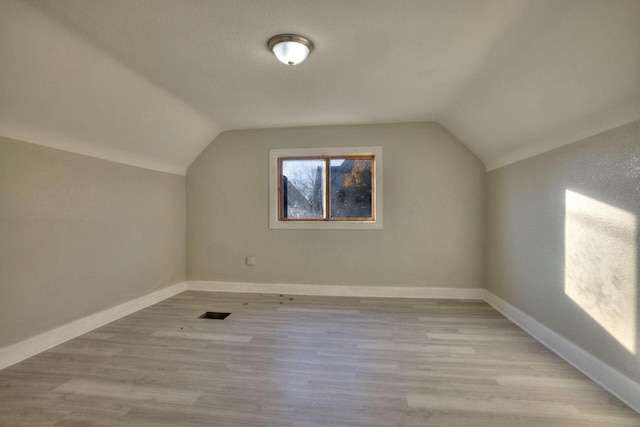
326, 188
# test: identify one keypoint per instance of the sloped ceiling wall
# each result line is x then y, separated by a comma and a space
152, 83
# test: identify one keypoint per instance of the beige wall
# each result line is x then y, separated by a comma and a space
433, 212
78, 234
562, 242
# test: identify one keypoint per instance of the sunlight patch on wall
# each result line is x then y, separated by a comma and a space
600, 264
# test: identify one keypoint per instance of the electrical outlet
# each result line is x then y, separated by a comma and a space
251, 260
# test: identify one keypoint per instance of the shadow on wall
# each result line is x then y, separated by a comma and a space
601, 271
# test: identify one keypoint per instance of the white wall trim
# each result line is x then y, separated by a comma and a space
39, 343
621, 386
337, 291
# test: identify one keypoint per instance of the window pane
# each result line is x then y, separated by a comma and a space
351, 185
303, 188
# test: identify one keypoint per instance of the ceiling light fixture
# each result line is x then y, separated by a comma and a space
290, 49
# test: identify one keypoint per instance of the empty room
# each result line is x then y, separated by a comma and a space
320, 213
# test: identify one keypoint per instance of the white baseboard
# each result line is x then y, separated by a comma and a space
338, 291
39, 343
621, 386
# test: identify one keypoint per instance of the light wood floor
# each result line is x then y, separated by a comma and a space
305, 361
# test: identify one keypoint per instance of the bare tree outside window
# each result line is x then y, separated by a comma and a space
304, 180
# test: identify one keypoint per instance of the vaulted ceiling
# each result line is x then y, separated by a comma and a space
152, 82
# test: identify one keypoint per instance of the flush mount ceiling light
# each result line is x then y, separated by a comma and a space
290, 49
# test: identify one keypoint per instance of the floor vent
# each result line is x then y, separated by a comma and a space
214, 315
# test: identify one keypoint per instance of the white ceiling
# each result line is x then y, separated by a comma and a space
152, 82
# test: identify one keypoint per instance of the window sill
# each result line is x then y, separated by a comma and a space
326, 225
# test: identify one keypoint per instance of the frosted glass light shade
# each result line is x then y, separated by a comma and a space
291, 53
290, 49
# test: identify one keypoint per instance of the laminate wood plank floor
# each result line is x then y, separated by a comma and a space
283, 360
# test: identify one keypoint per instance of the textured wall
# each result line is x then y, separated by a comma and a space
433, 212
78, 234
562, 242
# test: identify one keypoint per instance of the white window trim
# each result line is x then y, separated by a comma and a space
276, 153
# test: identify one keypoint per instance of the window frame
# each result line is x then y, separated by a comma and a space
277, 155
327, 187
